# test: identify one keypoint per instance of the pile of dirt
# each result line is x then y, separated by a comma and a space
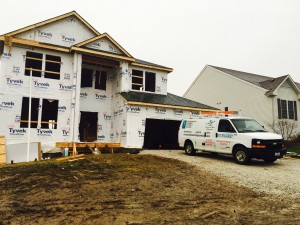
131, 189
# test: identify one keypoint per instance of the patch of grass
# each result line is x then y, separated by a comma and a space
295, 149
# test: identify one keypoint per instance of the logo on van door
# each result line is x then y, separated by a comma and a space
210, 125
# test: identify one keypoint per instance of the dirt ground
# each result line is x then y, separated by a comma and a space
131, 189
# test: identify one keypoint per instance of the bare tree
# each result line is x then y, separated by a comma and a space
286, 128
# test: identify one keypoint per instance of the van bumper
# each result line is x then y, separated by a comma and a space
266, 153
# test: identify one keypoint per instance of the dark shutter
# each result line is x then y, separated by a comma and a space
295, 109
279, 108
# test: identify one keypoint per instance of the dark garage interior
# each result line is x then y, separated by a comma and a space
161, 134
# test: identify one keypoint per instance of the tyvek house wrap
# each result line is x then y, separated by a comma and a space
118, 121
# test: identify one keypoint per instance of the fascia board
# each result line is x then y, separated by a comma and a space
35, 44
170, 106
36, 25
105, 35
152, 67
104, 54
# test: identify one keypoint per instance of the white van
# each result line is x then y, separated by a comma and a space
244, 138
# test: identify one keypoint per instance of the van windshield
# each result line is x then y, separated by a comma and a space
247, 125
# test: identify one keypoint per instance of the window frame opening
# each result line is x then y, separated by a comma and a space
34, 62
49, 113
35, 103
100, 80
52, 67
46, 118
137, 79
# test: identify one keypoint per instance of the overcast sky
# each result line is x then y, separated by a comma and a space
256, 36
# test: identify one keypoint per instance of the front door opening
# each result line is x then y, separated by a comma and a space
161, 134
88, 126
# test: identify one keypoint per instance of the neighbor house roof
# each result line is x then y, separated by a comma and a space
168, 101
266, 82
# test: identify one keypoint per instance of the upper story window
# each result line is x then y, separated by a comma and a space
143, 80
287, 109
87, 76
137, 79
100, 81
39, 63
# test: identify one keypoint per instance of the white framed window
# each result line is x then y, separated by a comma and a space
287, 109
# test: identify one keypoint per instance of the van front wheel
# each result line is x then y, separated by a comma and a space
241, 156
189, 148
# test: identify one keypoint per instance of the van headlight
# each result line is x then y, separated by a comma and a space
256, 143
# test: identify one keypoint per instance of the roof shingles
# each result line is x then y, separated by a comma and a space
169, 99
268, 83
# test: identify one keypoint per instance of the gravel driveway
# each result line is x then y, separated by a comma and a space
281, 178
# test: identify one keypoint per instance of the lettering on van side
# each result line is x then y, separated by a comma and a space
225, 135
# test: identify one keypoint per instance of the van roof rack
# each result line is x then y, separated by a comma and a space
217, 114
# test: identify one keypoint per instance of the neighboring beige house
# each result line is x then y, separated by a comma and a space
264, 98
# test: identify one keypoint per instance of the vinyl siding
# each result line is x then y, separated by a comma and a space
218, 89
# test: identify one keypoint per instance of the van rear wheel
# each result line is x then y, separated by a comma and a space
241, 156
189, 148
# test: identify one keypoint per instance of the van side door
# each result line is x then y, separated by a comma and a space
225, 136
208, 140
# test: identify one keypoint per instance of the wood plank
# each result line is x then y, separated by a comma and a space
87, 144
152, 67
2, 150
70, 157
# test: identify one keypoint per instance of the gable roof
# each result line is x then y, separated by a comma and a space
266, 82
105, 35
168, 101
10, 38
36, 25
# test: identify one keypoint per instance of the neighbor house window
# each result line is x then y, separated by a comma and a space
100, 81
143, 80
287, 109
35, 62
48, 117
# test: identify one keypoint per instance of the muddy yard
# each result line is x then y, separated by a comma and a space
132, 189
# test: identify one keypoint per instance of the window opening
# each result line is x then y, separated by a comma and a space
52, 68
25, 112
49, 114
287, 109
100, 82
86, 77
33, 61
284, 111
137, 79
150, 82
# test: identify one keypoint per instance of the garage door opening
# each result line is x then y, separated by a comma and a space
161, 134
